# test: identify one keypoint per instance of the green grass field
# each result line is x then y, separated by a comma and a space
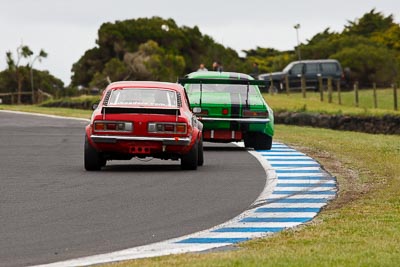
359, 228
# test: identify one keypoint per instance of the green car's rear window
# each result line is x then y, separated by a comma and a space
222, 88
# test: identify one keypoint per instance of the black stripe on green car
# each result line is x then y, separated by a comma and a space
235, 113
236, 107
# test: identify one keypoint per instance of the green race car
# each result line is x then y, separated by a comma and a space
231, 108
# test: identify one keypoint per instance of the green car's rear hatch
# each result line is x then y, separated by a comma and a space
225, 97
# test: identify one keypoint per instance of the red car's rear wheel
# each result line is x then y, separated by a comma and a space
189, 161
200, 157
93, 160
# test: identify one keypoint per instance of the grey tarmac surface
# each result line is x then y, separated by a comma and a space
51, 209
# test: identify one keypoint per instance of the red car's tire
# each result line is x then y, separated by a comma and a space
189, 161
200, 157
92, 159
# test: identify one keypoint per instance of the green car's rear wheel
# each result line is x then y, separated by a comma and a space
258, 141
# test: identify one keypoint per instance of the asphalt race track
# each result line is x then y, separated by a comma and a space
51, 209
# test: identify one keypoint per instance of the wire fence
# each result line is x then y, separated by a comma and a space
24, 97
327, 88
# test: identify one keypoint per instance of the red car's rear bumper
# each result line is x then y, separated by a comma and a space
141, 145
178, 141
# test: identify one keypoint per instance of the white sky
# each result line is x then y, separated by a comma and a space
65, 29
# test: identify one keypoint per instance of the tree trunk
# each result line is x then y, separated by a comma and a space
20, 80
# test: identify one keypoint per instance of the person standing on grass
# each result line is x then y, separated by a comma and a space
217, 66
255, 71
202, 67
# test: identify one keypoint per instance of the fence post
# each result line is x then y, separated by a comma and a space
375, 96
303, 85
39, 97
356, 93
339, 91
329, 89
321, 89
287, 84
395, 96
271, 85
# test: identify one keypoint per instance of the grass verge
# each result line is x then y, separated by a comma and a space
360, 228
66, 112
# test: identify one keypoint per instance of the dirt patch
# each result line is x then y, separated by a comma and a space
349, 183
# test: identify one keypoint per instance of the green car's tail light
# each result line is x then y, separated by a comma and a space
165, 127
255, 113
112, 126
225, 111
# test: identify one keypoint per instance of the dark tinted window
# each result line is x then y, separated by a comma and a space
297, 69
329, 67
312, 68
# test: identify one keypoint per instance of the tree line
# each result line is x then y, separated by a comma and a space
368, 47
158, 49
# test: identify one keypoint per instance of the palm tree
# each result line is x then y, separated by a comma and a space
23, 51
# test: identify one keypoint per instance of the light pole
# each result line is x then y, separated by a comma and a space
297, 27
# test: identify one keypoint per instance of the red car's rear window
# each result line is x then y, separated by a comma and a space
143, 97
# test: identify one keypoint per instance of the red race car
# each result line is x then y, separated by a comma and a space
143, 119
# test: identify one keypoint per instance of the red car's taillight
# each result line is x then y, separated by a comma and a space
167, 127
112, 126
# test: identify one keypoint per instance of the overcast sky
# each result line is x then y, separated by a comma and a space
65, 29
